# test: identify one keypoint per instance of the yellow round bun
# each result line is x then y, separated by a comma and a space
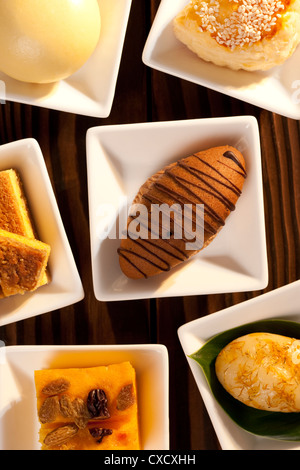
44, 41
240, 34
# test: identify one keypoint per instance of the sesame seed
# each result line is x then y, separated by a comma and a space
247, 24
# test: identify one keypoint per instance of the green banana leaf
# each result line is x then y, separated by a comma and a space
275, 425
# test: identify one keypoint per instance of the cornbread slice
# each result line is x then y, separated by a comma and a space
14, 211
22, 263
91, 408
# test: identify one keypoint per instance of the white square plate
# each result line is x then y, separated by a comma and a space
65, 287
277, 90
18, 417
121, 158
282, 303
90, 91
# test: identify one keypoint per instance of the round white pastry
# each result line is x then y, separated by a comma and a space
262, 370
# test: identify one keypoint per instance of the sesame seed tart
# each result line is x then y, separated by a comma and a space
240, 34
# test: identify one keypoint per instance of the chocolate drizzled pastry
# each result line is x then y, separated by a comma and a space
212, 179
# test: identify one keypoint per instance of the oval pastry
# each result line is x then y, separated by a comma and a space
240, 34
211, 180
262, 370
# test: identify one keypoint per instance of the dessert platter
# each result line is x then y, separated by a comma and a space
122, 365
149, 261
87, 85
116, 165
267, 67
273, 313
26, 193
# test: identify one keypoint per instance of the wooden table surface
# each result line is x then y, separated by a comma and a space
144, 95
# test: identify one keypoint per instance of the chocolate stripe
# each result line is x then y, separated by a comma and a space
215, 193
231, 186
229, 154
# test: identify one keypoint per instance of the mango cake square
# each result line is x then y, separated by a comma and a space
91, 408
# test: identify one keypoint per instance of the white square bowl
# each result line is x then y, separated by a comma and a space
18, 417
65, 287
276, 90
121, 158
282, 303
90, 91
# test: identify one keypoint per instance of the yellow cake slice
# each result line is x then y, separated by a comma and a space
14, 211
91, 408
22, 263
15, 215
